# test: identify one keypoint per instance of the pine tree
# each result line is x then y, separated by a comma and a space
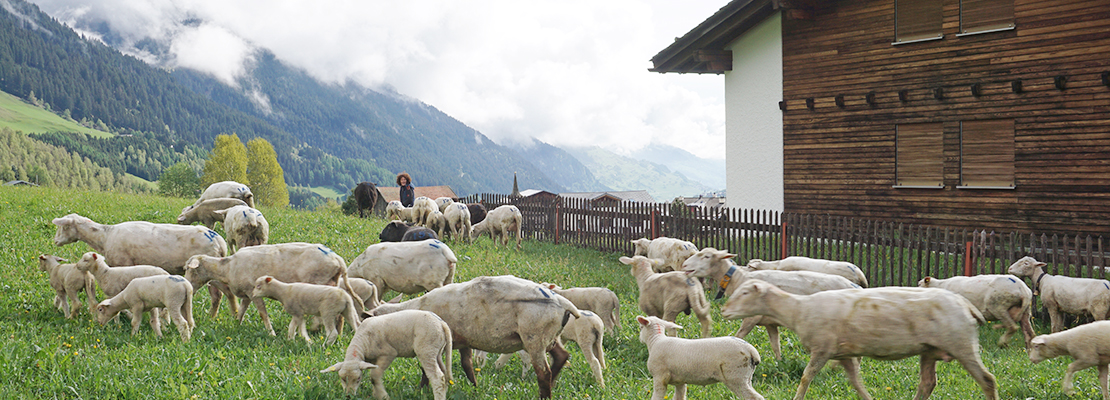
226, 162
267, 180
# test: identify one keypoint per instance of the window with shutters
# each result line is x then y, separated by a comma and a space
919, 156
917, 20
981, 16
987, 154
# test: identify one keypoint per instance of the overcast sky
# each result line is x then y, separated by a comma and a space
567, 72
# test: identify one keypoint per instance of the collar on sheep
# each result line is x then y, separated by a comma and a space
725, 281
1037, 283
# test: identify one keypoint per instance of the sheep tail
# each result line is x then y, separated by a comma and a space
350, 291
352, 314
568, 306
615, 316
696, 298
447, 356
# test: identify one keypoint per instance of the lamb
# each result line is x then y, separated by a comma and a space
883, 323
422, 208
443, 203
587, 332
329, 303
244, 227
149, 293
1065, 294
407, 333
600, 300
1088, 344
397, 211
113, 280
669, 293
436, 222
457, 218
677, 361
500, 221
229, 189
206, 212
716, 264
289, 262
999, 297
500, 314
406, 267
797, 263
67, 282
400, 231
672, 251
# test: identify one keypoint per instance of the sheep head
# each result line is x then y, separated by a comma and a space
350, 373
750, 299
67, 229
1026, 266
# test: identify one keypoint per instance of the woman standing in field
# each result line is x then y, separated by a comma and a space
406, 192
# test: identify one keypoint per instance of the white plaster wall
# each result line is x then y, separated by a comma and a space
753, 122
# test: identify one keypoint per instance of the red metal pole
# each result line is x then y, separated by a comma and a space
783, 240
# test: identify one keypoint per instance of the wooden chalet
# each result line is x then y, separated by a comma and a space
990, 114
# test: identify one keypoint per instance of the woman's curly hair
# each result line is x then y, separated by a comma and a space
403, 175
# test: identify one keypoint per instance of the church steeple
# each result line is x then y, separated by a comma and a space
516, 189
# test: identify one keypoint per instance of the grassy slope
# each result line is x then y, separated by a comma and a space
325, 192
21, 116
45, 355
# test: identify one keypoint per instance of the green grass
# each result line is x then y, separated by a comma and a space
326, 192
21, 116
44, 355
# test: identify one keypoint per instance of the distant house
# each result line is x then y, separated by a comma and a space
390, 193
19, 183
708, 202
968, 113
611, 196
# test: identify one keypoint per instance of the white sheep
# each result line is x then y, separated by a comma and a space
395, 211
205, 212
1065, 294
670, 250
999, 297
667, 294
329, 303
226, 189
112, 280
501, 222
587, 332
798, 263
406, 267
244, 227
887, 323
171, 292
600, 300
436, 222
382, 339
677, 361
457, 217
1088, 344
422, 208
443, 203
67, 282
365, 290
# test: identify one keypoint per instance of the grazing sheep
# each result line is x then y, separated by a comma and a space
797, 263
224, 189
397, 211
677, 361
401, 231
244, 227
500, 314
500, 222
422, 208
600, 300
406, 267
443, 203
477, 212
67, 282
457, 217
1088, 344
113, 280
717, 265
329, 303
587, 332
365, 290
436, 222
366, 194
999, 297
1063, 293
670, 250
171, 292
382, 339
888, 323
667, 294
206, 212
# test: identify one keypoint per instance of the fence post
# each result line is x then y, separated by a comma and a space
784, 255
654, 224
558, 220
967, 259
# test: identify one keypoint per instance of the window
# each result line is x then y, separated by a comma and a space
917, 20
919, 155
979, 16
987, 154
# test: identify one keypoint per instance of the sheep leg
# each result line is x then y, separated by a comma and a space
430, 362
182, 325
773, 337
72, 305
504, 359
329, 327
244, 305
1076, 366
680, 391
1102, 380
741, 384
467, 364
543, 373
1008, 321
1027, 325
90, 293
59, 299
137, 318
928, 377
261, 305
816, 362
155, 321
670, 315
559, 357
1055, 317
658, 388
974, 365
376, 377
747, 325
851, 371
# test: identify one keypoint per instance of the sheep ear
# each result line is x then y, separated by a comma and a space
1040, 264
724, 255
626, 260
643, 321
396, 300
332, 368
1037, 341
669, 324
365, 365
59, 221
221, 213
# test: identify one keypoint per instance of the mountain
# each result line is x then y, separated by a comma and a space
624, 173
710, 173
561, 166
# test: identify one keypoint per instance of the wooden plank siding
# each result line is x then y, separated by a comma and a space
840, 161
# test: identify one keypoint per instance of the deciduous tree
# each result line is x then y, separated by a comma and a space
264, 174
226, 162
179, 180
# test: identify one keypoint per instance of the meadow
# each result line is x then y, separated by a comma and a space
44, 355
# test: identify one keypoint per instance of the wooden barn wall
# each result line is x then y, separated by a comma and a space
840, 160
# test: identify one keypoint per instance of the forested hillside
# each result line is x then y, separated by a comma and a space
41, 163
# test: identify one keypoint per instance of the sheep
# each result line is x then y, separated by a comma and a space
206, 212
672, 251
406, 267
112, 280
500, 314
366, 194
1065, 294
365, 290
400, 231
600, 300
500, 221
677, 361
797, 263
716, 264
397, 211
1088, 344
999, 297
477, 212
407, 333
443, 203
883, 323
587, 332
329, 303
457, 218
149, 293
224, 189
67, 282
244, 227
667, 294
289, 262
422, 208
436, 222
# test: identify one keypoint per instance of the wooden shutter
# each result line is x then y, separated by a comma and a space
920, 155
917, 20
987, 153
986, 15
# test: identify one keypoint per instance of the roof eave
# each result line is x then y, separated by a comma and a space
702, 50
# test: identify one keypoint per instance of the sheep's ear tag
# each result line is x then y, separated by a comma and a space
268, 280
94, 256
552, 287
928, 278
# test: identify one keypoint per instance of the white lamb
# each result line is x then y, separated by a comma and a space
382, 339
1088, 344
443, 203
406, 267
244, 227
600, 300
395, 211
798, 263
67, 282
587, 332
171, 292
457, 216
422, 208
999, 297
677, 361
112, 280
1065, 294
329, 303
226, 189
667, 294
436, 222
205, 212
500, 222
670, 250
